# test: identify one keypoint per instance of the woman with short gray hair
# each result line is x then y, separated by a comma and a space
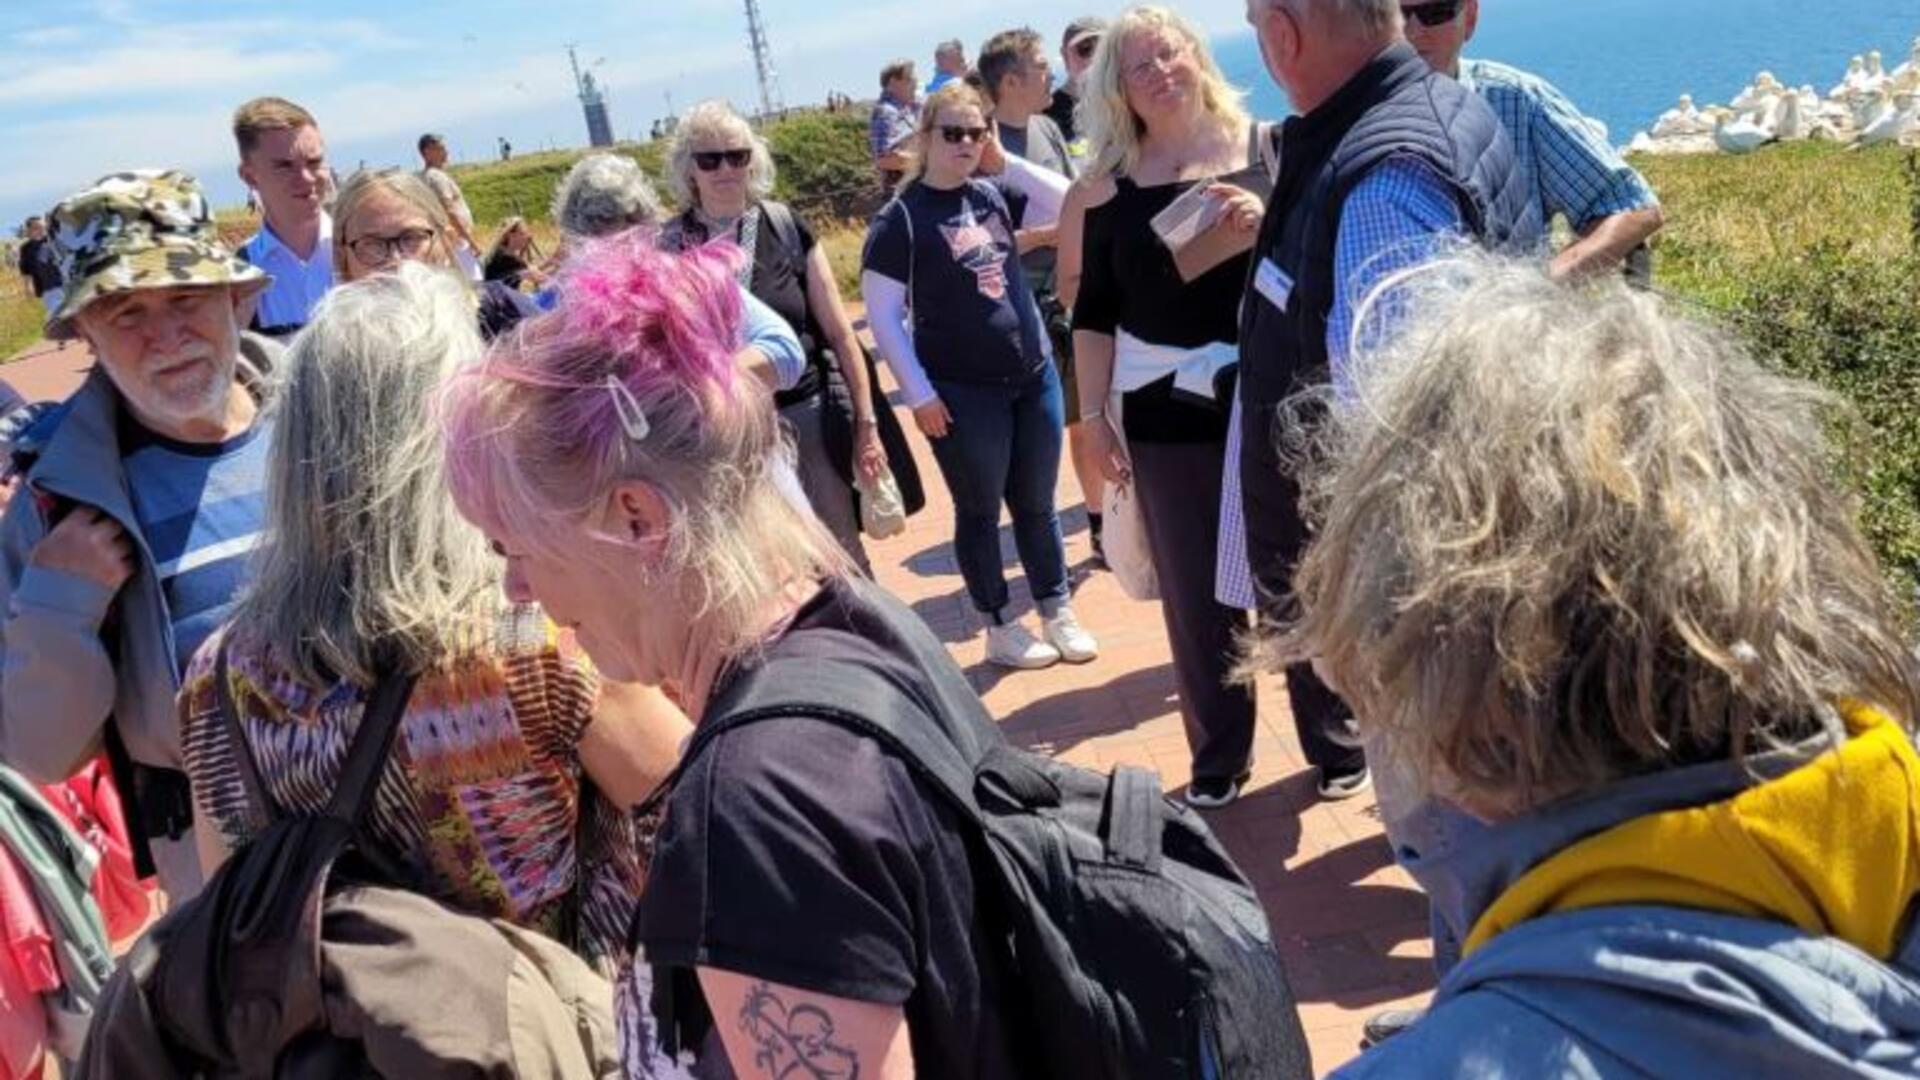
366, 569
722, 172
1596, 591
604, 194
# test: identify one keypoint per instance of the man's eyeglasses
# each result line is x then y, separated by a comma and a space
1084, 50
709, 160
376, 250
956, 134
1439, 13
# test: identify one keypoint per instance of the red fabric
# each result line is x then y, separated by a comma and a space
91, 804
27, 968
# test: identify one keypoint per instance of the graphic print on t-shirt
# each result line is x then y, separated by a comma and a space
981, 249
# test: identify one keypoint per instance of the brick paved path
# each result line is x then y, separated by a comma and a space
1351, 927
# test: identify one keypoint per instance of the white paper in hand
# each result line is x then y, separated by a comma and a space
1187, 217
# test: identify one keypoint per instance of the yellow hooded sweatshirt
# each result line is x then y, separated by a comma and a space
1832, 847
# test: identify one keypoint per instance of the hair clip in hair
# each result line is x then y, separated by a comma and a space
633, 419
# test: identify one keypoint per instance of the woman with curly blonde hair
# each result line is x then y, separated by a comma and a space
1595, 589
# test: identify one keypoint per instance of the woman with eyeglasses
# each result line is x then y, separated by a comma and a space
953, 317
722, 172
1157, 335
385, 217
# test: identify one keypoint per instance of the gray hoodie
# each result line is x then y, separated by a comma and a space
58, 682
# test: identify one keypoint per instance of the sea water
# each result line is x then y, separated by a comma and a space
1624, 62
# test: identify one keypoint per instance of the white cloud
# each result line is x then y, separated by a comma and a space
174, 70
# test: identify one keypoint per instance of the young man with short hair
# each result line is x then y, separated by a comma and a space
433, 156
283, 159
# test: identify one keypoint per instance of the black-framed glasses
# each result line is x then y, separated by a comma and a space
406, 244
709, 160
957, 134
1439, 13
1084, 50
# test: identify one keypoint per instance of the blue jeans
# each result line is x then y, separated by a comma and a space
1004, 444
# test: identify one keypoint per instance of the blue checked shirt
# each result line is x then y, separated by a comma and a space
1569, 167
890, 125
1400, 215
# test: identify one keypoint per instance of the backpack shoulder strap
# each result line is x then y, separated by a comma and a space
779, 217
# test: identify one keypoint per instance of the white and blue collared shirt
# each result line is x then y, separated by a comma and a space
298, 284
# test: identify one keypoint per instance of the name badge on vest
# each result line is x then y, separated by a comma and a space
1273, 283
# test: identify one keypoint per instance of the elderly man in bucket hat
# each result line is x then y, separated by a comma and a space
145, 499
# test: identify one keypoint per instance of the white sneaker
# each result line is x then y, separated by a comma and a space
1065, 633
1010, 645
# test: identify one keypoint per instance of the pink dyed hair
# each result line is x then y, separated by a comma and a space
535, 439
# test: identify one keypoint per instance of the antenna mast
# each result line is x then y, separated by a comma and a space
592, 103
770, 103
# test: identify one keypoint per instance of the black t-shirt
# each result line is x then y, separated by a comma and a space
974, 319
1061, 113
779, 280
502, 308
1128, 282
1041, 143
41, 266
504, 266
799, 852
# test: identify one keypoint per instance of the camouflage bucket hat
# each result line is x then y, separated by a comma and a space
149, 229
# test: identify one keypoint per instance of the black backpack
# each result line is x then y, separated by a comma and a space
1142, 950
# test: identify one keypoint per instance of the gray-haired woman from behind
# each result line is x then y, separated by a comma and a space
365, 565
1596, 592
722, 173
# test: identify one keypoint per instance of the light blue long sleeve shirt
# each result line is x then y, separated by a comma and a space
764, 329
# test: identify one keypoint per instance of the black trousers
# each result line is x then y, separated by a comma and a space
1179, 489
1277, 536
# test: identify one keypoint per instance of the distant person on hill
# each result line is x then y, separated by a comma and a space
283, 159
1688, 751
890, 129
147, 502
1076, 53
1014, 71
949, 63
387, 217
433, 153
723, 174
40, 264
1568, 167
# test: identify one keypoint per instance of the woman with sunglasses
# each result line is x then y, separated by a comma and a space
1159, 342
722, 172
953, 317
385, 217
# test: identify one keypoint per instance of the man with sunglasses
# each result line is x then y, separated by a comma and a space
1077, 47
1569, 168
1386, 164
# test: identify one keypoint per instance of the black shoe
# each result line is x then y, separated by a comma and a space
1341, 784
1385, 1025
1212, 794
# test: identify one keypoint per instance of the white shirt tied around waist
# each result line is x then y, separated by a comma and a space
1138, 363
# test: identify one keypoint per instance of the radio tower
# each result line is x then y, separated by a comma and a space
770, 103
592, 103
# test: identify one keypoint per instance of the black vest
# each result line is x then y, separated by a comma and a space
1395, 107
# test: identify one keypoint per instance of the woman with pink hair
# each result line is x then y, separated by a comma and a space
624, 467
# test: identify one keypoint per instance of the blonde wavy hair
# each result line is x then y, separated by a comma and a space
1568, 537
716, 119
1113, 130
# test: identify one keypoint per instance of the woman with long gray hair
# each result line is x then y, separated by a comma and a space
365, 567
1593, 582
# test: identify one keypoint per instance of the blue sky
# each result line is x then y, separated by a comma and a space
89, 86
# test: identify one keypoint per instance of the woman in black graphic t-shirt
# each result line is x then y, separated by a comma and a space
953, 317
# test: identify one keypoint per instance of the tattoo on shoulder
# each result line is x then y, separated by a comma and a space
795, 1042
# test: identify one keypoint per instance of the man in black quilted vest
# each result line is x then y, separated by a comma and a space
1385, 163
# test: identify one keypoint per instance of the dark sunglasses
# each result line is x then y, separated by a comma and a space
956, 134
1436, 14
709, 160
1084, 50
